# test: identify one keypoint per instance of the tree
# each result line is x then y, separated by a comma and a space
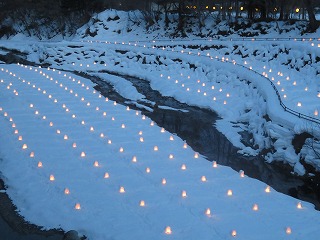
313, 24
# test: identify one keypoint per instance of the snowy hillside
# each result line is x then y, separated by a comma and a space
74, 159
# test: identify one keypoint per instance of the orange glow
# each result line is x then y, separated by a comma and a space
208, 212
288, 230
299, 205
32, 154
39, 164
214, 164
184, 194
148, 170
134, 159
83, 154
106, 175
203, 179
121, 190
267, 190
96, 164
77, 206
185, 145
164, 181
67, 191
121, 149
183, 167
155, 148
196, 155
142, 203
20, 138
234, 233
229, 193
168, 230
52, 178
24, 146
171, 156
255, 207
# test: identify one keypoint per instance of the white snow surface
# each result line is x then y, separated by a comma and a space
44, 108
231, 78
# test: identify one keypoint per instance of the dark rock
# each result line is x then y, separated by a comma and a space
71, 235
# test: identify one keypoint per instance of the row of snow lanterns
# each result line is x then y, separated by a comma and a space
184, 194
96, 164
199, 90
299, 104
142, 203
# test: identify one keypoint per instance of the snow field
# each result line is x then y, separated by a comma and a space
47, 107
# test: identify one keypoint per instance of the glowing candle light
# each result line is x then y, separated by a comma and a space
168, 230
20, 138
101, 135
96, 164
203, 179
73, 116
234, 233
163, 181
141, 139
214, 164
294, 83
148, 170
171, 138
40, 165
123, 126
143, 117
83, 154
65, 137
97, 108
32, 154
52, 178
152, 123
106, 175
88, 103
24, 146
109, 141
184, 194
142, 203
92, 129
82, 122
288, 230
255, 207
121, 150
16, 131
162, 130
58, 131
104, 114
134, 159
208, 212
185, 145
299, 104
121, 190
229, 193
77, 206
66, 191
183, 167
316, 113
196, 155
171, 156
267, 189
299, 205
318, 95
10, 120
242, 173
